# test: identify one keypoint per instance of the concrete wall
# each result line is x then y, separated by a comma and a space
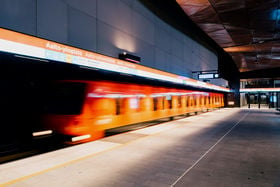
109, 27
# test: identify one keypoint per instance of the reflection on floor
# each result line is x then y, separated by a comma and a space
256, 106
227, 147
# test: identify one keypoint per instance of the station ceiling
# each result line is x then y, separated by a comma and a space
247, 30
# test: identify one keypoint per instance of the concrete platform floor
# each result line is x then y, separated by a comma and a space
227, 147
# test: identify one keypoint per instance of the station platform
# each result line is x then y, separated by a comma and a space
226, 147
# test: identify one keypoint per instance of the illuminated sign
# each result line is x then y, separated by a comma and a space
208, 76
260, 90
22, 44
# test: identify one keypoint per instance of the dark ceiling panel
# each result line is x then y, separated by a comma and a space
259, 5
207, 15
239, 35
228, 5
222, 37
193, 9
211, 27
236, 18
249, 30
239, 58
263, 36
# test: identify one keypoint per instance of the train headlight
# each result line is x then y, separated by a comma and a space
41, 133
79, 138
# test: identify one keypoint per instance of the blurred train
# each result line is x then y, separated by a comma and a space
83, 110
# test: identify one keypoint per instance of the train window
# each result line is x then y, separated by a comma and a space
65, 98
179, 101
118, 106
142, 102
191, 101
134, 103
194, 101
169, 100
155, 99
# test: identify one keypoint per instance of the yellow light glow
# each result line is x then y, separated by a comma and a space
124, 42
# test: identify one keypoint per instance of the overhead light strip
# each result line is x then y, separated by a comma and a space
22, 44
246, 90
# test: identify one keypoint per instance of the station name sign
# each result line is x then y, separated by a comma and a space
208, 76
22, 44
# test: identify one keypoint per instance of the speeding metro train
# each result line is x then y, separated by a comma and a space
83, 110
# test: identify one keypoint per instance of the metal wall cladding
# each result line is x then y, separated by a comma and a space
247, 29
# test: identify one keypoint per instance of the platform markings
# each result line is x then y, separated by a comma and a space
100, 152
58, 166
118, 145
212, 147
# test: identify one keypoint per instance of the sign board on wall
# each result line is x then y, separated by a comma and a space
208, 76
22, 44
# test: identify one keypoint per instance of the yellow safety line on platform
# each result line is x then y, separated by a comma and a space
55, 167
82, 158
76, 160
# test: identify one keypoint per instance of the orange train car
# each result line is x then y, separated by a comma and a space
83, 110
